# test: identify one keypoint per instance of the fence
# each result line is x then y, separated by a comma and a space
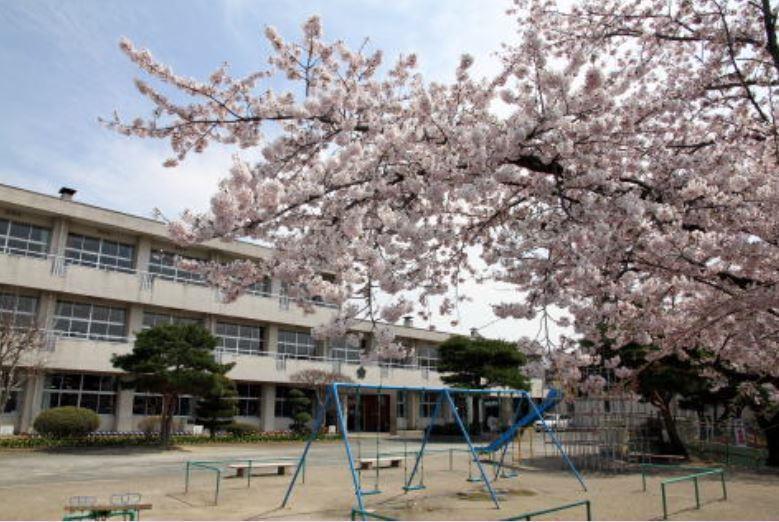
697, 474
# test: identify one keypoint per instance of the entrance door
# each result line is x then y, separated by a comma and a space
376, 412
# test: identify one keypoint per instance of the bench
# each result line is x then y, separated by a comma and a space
384, 462
656, 458
281, 467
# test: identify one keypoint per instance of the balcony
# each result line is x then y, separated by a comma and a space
90, 355
52, 273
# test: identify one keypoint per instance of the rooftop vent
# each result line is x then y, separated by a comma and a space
408, 320
67, 193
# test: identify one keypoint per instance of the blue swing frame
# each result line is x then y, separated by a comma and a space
444, 394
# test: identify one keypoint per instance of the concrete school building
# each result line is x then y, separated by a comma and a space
92, 278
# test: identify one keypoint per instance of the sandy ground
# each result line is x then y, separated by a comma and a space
36, 485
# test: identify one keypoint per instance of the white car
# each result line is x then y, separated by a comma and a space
554, 421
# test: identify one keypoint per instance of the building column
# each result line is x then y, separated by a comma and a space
47, 307
393, 412
469, 399
143, 254
268, 407
506, 411
123, 413
412, 410
272, 338
134, 320
59, 237
31, 401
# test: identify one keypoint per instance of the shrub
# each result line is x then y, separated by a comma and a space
67, 421
150, 426
242, 429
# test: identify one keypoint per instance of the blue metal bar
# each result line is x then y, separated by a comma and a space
434, 389
320, 418
559, 446
428, 430
506, 447
345, 434
474, 456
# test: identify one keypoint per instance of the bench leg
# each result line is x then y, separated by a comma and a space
282, 470
240, 472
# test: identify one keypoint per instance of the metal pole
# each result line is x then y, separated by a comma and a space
559, 446
347, 447
451, 452
643, 479
186, 480
474, 456
589, 509
724, 491
665, 502
249, 478
429, 429
302, 461
218, 481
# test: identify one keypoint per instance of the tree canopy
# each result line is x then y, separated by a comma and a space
630, 176
481, 363
173, 360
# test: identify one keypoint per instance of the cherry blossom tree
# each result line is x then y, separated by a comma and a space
622, 165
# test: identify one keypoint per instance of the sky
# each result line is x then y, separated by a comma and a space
62, 69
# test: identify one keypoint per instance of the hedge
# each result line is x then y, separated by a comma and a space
106, 441
67, 421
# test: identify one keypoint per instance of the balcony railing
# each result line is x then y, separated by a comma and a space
281, 358
59, 266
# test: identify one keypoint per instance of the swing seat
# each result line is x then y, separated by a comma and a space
418, 487
474, 479
370, 491
509, 474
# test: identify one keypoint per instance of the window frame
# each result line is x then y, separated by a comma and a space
90, 321
101, 393
76, 255
6, 227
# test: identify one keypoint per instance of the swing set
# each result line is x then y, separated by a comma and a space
502, 443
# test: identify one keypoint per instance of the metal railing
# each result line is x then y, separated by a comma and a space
280, 358
59, 264
529, 515
697, 474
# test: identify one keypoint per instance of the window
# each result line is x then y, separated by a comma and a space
427, 404
88, 390
239, 338
282, 407
24, 239
262, 288
147, 403
20, 310
427, 357
296, 344
90, 321
13, 402
342, 350
151, 319
99, 253
401, 405
248, 399
165, 265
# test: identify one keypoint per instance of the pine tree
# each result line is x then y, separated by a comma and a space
217, 407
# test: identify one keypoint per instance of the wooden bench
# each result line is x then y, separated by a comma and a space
384, 462
281, 467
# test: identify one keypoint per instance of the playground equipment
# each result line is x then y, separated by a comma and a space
333, 397
370, 515
694, 476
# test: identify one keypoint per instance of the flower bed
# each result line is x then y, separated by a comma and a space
103, 440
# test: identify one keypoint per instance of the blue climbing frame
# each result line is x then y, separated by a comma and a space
444, 394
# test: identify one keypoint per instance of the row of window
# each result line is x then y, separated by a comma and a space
98, 392
109, 323
97, 252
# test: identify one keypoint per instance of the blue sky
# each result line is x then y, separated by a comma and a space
62, 69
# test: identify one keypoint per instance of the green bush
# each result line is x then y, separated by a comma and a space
103, 441
67, 421
241, 429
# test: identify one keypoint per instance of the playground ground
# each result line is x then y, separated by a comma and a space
36, 485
